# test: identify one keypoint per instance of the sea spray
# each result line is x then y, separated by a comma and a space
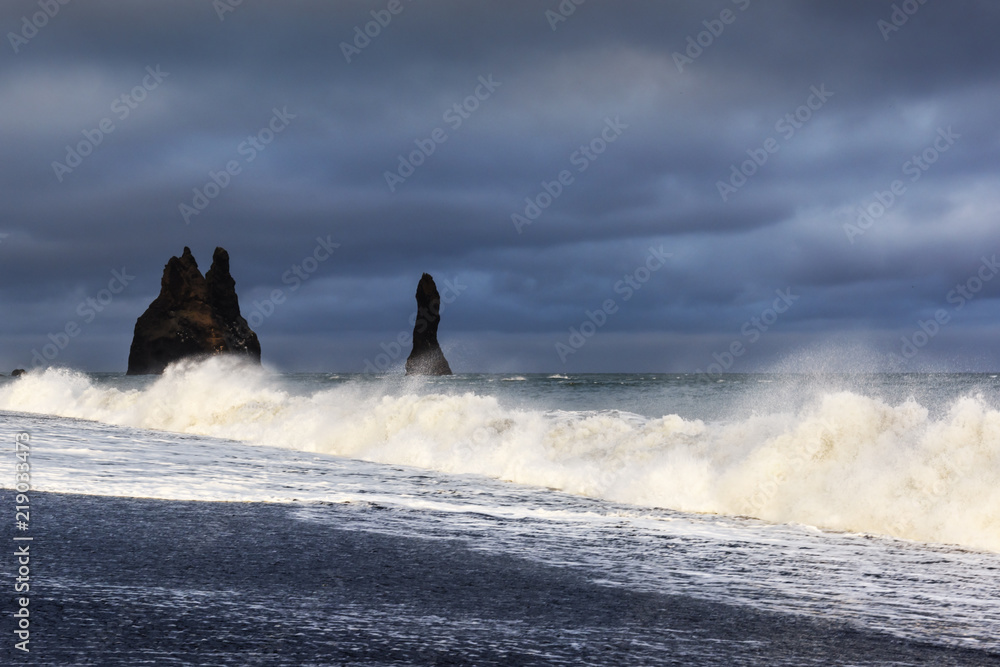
842, 460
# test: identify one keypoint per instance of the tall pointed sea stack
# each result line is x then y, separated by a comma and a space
194, 315
427, 357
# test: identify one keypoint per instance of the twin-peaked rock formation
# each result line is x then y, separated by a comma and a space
194, 315
427, 357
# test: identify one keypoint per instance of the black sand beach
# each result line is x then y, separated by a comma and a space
127, 582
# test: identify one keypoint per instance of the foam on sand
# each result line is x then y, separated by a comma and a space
845, 461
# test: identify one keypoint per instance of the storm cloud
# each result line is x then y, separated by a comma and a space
534, 156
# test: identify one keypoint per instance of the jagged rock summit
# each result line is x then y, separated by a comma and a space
427, 357
194, 315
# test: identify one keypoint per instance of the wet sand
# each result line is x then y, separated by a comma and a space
120, 581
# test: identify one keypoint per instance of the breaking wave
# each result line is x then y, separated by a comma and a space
844, 461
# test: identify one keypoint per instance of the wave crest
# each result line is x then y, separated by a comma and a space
846, 461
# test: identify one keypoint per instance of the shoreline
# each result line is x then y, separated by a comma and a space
122, 580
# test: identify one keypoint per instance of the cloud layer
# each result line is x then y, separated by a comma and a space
531, 155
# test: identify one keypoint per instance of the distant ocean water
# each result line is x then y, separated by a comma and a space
870, 499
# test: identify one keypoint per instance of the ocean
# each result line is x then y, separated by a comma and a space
629, 518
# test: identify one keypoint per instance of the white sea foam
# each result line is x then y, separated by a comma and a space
845, 461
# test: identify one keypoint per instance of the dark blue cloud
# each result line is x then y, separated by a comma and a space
786, 225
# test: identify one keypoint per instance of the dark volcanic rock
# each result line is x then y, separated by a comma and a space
17, 371
194, 315
222, 288
427, 357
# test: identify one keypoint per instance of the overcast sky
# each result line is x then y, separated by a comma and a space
699, 171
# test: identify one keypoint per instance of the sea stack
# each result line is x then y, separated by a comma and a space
194, 315
427, 357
